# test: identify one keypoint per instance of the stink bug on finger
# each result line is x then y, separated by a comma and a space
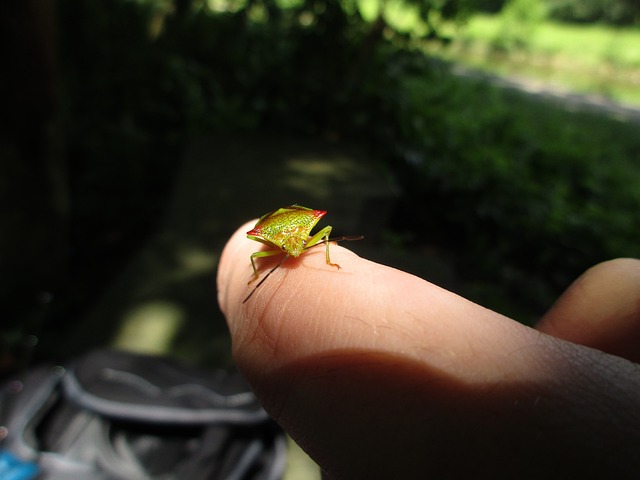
288, 230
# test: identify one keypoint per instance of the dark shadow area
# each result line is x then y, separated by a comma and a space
366, 407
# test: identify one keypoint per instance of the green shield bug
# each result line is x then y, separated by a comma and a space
288, 230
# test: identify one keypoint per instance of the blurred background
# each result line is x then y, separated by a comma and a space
488, 146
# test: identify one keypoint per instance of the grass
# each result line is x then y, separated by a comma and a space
587, 44
590, 59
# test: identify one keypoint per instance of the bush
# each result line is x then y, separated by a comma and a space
526, 194
613, 12
519, 20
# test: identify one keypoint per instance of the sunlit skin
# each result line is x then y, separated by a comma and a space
288, 230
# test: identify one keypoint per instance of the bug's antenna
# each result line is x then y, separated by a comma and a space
265, 277
345, 238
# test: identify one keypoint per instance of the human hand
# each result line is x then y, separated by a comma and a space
380, 374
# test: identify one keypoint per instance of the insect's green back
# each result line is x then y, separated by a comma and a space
287, 228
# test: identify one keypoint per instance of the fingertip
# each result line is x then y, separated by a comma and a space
300, 291
232, 262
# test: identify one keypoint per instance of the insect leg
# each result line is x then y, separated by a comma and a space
261, 254
264, 278
322, 237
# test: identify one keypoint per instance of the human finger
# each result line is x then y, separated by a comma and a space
379, 374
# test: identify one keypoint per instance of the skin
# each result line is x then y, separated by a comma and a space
380, 374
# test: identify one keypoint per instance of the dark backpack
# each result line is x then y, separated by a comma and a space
122, 416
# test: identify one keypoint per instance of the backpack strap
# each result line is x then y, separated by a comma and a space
115, 415
131, 386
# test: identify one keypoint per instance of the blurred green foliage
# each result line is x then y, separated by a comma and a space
527, 195
613, 12
140, 78
519, 20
